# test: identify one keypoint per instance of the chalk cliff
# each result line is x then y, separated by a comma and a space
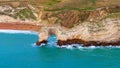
99, 27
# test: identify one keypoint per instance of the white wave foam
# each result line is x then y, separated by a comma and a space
76, 46
112, 46
90, 47
69, 47
34, 45
18, 31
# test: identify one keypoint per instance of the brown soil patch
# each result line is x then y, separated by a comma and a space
19, 26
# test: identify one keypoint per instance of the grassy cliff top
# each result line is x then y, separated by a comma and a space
59, 5
69, 3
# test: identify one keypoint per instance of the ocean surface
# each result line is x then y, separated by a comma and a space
18, 50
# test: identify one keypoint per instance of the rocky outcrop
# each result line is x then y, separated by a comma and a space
70, 26
71, 18
105, 33
87, 43
82, 27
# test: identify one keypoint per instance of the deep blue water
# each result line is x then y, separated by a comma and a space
19, 51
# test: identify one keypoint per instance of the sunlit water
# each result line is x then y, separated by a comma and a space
18, 50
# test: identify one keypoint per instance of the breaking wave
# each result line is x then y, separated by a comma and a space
90, 47
52, 42
74, 46
18, 31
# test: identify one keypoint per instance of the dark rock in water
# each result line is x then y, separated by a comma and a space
97, 43
38, 43
87, 43
74, 46
70, 41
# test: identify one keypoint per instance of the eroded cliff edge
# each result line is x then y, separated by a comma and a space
99, 27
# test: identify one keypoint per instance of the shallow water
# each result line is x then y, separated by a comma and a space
18, 50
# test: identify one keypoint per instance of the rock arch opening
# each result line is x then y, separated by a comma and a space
45, 36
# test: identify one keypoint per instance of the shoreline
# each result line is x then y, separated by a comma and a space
36, 28
87, 43
99, 26
19, 26
10, 31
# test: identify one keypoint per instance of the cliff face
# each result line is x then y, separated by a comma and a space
82, 27
70, 18
106, 32
100, 26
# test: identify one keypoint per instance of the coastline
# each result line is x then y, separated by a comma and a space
19, 26
70, 27
87, 43
36, 28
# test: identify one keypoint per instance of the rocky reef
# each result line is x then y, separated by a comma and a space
99, 26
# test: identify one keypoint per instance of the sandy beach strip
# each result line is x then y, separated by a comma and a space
19, 26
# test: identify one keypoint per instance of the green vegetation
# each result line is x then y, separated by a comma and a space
87, 1
68, 8
52, 2
25, 14
113, 15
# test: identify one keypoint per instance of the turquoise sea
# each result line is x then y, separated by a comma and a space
18, 50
